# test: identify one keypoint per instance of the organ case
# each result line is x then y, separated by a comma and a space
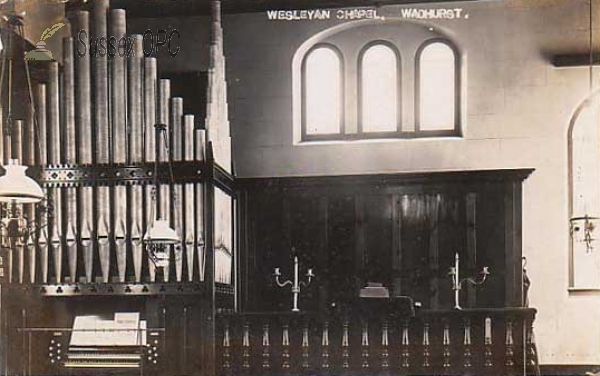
91, 140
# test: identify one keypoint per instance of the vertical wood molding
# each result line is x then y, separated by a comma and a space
396, 244
513, 244
359, 252
471, 219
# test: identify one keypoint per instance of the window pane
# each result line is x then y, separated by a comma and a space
585, 194
379, 89
437, 87
323, 92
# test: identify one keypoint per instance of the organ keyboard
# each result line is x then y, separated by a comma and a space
99, 342
104, 357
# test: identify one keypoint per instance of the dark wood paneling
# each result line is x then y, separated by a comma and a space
400, 230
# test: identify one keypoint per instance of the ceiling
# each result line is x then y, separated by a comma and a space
169, 8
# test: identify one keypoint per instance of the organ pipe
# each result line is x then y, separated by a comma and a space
189, 234
69, 157
119, 139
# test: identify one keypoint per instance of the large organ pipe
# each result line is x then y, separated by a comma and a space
84, 98
177, 137
164, 196
188, 199
69, 157
54, 158
117, 89
135, 119
52, 98
119, 139
150, 83
68, 98
150, 98
85, 149
103, 142
41, 153
100, 75
164, 95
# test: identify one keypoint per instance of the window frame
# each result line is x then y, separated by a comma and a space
457, 131
305, 136
360, 133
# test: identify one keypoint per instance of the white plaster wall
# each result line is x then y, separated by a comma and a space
517, 113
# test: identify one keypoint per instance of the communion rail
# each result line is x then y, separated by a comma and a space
432, 342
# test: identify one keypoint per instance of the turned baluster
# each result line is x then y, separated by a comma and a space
226, 349
509, 342
405, 344
467, 362
365, 344
446, 345
426, 344
488, 362
246, 348
266, 354
530, 343
345, 352
285, 344
305, 348
385, 355
325, 346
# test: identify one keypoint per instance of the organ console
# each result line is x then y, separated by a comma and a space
91, 141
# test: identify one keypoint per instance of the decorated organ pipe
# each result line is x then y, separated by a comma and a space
164, 193
176, 114
189, 235
85, 152
101, 123
69, 155
136, 145
92, 130
118, 139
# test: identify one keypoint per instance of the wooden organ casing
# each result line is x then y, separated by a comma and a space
92, 143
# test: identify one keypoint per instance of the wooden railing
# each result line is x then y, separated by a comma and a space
441, 342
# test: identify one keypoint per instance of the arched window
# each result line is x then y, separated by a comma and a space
379, 89
584, 174
322, 92
437, 89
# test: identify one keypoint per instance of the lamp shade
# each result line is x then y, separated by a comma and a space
161, 233
17, 187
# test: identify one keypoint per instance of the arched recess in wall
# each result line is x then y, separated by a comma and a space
358, 43
584, 193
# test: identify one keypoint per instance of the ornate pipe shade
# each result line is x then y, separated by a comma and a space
16, 187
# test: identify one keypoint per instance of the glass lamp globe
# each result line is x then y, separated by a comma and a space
16, 187
158, 238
